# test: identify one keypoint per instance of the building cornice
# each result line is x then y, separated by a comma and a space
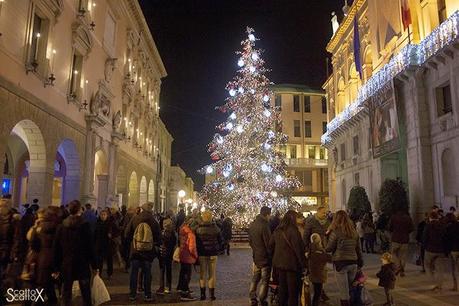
144, 30
344, 26
296, 88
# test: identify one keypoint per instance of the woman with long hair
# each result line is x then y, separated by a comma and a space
289, 261
343, 243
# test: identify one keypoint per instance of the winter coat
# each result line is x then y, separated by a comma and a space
387, 276
345, 251
104, 232
9, 225
143, 217
400, 226
274, 223
227, 229
452, 237
288, 250
259, 235
169, 241
317, 260
180, 219
188, 251
41, 241
90, 217
434, 237
313, 225
208, 239
73, 249
420, 230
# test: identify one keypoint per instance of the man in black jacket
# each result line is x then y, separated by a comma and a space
259, 235
141, 260
73, 254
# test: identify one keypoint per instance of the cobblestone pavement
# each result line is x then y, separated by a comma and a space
233, 278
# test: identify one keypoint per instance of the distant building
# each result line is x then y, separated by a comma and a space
304, 119
181, 190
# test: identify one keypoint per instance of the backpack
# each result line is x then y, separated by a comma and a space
143, 238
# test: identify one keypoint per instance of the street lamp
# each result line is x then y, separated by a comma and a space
181, 194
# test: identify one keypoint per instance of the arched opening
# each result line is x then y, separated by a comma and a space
353, 84
151, 192
449, 174
133, 194
143, 191
341, 97
121, 186
367, 64
24, 167
66, 182
100, 178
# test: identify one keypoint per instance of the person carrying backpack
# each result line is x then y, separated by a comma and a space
144, 234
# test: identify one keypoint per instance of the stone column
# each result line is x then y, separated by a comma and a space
113, 163
89, 160
102, 190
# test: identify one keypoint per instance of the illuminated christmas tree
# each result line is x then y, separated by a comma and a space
250, 171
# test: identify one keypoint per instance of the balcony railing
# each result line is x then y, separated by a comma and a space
411, 55
306, 162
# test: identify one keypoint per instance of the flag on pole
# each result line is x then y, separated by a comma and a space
358, 63
406, 14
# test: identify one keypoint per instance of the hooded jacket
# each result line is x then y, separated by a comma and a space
188, 251
73, 249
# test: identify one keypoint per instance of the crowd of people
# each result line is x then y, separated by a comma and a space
289, 249
55, 248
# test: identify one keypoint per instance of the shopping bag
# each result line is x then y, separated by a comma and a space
305, 293
75, 289
176, 256
99, 292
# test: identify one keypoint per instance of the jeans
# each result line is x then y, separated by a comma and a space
436, 264
317, 293
289, 287
208, 267
184, 277
260, 275
399, 252
145, 266
165, 266
85, 290
106, 256
344, 279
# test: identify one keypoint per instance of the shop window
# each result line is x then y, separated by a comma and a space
443, 98
296, 103
296, 128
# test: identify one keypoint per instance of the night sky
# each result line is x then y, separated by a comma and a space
197, 40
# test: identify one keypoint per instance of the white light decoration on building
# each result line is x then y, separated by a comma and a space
209, 170
240, 63
265, 98
233, 116
232, 92
279, 178
239, 129
267, 113
229, 126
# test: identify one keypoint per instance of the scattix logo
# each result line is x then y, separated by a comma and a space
32, 295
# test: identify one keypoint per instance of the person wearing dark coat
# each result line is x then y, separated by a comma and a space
141, 260
436, 252
259, 236
452, 245
317, 260
227, 233
169, 242
419, 233
90, 216
387, 277
105, 231
287, 248
400, 226
274, 221
41, 237
74, 255
180, 218
208, 243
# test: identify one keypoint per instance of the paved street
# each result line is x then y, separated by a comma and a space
234, 276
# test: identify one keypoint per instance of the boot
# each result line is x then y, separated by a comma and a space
203, 294
345, 303
212, 294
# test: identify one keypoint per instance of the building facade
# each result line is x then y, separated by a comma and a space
303, 112
79, 93
398, 116
181, 190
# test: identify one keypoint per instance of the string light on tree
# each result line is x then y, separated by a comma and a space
247, 167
